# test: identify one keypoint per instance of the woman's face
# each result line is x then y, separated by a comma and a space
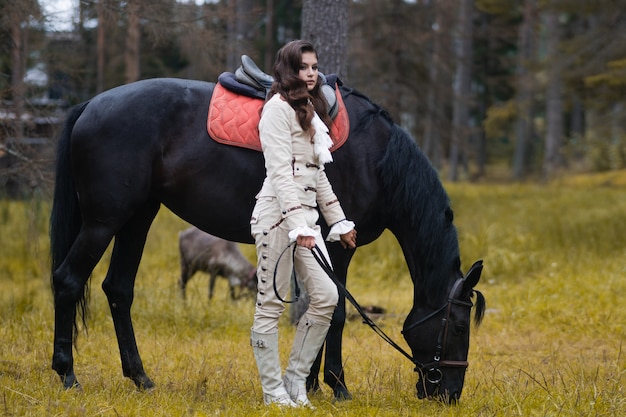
308, 70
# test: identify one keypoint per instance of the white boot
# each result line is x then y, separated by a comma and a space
306, 345
268, 362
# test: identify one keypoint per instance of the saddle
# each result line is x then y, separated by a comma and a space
235, 107
250, 75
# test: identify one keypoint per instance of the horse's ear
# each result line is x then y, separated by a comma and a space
473, 276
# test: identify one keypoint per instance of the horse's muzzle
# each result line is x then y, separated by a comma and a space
427, 390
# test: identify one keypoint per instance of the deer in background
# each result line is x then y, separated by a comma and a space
200, 251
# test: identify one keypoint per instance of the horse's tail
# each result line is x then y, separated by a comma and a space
65, 218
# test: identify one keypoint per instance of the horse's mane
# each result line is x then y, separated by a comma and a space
367, 116
418, 202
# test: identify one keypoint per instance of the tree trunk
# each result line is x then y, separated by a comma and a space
133, 32
431, 142
462, 84
101, 7
18, 63
238, 31
325, 24
480, 137
523, 124
553, 159
269, 36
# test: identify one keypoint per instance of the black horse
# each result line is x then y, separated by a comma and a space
132, 148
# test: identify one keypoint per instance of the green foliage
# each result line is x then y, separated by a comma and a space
614, 76
167, 60
500, 119
605, 155
550, 344
498, 7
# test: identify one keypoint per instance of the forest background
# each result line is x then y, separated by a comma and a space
490, 89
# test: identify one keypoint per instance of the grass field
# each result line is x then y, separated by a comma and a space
550, 345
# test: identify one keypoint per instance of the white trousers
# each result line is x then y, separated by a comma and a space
271, 238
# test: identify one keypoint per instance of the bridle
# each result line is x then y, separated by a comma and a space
431, 371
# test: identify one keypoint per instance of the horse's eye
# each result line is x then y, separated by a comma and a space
459, 329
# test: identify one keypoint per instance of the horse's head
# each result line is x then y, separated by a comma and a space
439, 339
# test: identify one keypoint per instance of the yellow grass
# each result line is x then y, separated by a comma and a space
550, 345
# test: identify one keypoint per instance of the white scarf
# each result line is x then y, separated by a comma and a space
321, 140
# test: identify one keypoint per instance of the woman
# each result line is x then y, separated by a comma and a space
295, 145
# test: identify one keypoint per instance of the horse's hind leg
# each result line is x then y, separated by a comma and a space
70, 281
118, 287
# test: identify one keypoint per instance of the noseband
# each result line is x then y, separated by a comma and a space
430, 370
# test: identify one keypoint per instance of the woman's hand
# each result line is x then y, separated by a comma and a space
306, 241
348, 240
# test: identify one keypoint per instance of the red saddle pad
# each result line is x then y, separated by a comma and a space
234, 120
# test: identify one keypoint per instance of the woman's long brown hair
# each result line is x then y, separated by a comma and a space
293, 89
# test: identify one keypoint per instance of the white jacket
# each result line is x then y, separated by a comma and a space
294, 174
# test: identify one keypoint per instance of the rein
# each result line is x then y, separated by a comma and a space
321, 260
293, 275
430, 370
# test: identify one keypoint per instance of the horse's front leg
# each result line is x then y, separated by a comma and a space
313, 379
333, 365
333, 369
118, 287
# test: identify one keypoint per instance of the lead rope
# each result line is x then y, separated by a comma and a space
325, 265
293, 275
321, 260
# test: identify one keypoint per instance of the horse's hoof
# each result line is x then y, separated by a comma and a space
70, 382
341, 393
143, 383
313, 386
